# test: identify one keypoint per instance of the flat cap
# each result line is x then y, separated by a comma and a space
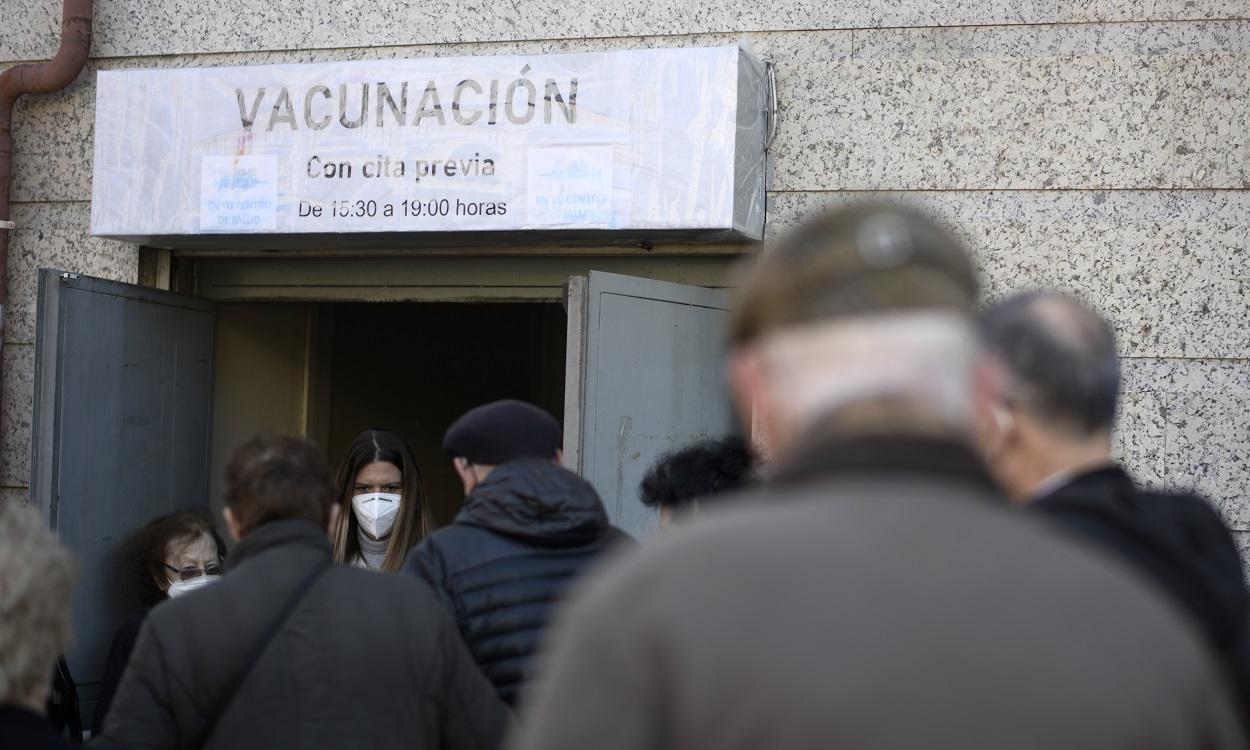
503, 431
868, 258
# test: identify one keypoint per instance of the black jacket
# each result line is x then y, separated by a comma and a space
521, 538
1179, 542
364, 660
21, 729
119, 656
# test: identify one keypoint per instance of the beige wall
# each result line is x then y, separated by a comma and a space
1100, 146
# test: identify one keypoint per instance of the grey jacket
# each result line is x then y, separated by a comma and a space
877, 594
366, 660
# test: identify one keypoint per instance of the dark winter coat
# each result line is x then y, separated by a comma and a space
119, 656
27, 730
365, 660
523, 535
875, 592
1179, 542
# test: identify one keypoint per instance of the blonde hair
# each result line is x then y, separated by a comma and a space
37, 577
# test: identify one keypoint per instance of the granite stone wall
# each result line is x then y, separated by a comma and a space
1098, 146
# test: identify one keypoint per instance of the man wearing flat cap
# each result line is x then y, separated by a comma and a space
528, 527
876, 591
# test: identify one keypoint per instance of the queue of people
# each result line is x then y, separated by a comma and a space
938, 551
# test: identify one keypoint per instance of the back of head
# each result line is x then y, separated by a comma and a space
503, 431
867, 304
868, 259
702, 469
36, 580
278, 477
1060, 357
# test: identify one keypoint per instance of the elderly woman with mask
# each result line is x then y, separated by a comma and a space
170, 556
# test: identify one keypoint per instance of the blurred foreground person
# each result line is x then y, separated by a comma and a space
170, 556
385, 510
1048, 438
289, 650
680, 482
876, 591
36, 579
528, 527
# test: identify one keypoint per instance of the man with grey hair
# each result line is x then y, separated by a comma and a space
875, 591
36, 579
1048, 441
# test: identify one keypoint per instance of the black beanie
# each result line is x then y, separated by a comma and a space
503, 431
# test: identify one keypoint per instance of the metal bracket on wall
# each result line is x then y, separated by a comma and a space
8, 225
770, 75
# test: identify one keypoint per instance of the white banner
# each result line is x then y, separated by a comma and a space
648, 140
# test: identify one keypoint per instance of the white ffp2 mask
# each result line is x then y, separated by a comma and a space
178, 588
376, 512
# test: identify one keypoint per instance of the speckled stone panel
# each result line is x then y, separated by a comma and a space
1207, 447
1175, 286
53, 146
167, 27
1200, 408
918, 118
1139, 435
1242, 538
1068, 40
54, 235
16, 398
1169, 269
19, 495
1149, 10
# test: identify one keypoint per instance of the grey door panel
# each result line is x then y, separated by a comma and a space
645, 375
122, 423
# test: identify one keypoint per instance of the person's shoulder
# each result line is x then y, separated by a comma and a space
1181, 505
460, 544
171, 614
873, 526
452, 535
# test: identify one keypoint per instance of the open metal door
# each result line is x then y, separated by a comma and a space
645, 375
121, 434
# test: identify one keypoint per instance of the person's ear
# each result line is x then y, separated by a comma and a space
558, 458
751, 399
232, 526
332, 519
1004, 427
465, 472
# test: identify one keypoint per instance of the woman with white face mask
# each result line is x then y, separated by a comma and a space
384, 509
168, 557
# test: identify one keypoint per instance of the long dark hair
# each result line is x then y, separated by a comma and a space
144, 551
412, 523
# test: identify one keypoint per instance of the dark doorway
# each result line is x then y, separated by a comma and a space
414, 367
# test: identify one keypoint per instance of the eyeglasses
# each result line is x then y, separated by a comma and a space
188, 573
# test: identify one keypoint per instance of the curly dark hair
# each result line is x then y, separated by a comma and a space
699, 470
144, 551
